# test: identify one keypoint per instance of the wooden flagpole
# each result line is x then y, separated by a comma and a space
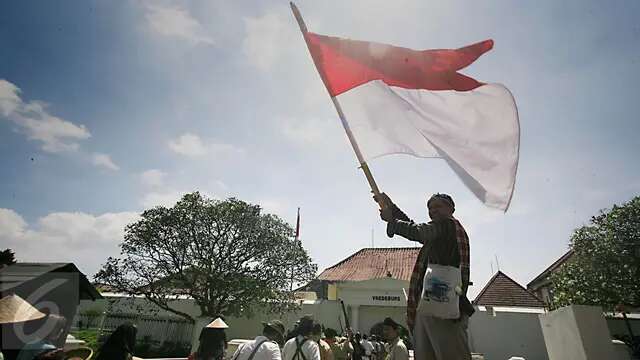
336, 104
297, 238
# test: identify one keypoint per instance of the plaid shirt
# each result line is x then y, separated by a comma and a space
428, 235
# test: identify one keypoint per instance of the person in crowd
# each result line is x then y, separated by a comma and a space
358, 349
120, 345
213, 341
395, 348
44, 346
325, 349
293, 332
302, 347
15, 314
265, 346
378, 347
368, 347
341, 348
374, 348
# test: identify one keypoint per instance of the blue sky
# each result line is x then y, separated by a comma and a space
110, 107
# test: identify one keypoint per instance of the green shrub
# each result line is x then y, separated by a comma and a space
152, 349
90, 336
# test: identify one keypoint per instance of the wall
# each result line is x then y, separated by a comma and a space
383, 294
127, 305
324, 311
506, 334
369, 302
376, 292
371, 315
576, 332
242, 328
618, 327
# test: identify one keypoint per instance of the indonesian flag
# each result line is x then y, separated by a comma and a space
402, 101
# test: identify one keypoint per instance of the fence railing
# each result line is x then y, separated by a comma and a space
159, 329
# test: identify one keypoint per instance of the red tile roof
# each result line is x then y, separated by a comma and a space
544, 276
373, 263
501, 290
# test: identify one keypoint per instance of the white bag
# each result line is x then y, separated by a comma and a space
441, 292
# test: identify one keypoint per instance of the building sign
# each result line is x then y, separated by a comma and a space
385, 298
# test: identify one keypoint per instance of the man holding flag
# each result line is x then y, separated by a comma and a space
416, 102
445, 244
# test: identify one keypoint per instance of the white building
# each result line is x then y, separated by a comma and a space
372, 283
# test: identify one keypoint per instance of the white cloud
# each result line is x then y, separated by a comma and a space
104, 160
84, 239
9, 97
176, 22
317, 132
221, 185
477, 216
11, 224
220, 149
266, 38
153, 178
272, 206
166, 198
55, 134
189, 144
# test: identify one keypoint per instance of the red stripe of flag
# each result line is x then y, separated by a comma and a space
344, 64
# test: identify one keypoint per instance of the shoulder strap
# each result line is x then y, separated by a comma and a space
255, 349
235, 357
299, 352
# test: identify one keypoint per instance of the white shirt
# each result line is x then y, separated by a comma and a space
397, 350
267, 351
310, 349
368, 347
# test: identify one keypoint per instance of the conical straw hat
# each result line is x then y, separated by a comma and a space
218, 324
14, 309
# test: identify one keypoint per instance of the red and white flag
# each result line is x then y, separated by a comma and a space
402, 101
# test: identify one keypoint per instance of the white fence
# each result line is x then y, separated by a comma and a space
159, 329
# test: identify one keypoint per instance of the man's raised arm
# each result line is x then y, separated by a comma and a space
399, 223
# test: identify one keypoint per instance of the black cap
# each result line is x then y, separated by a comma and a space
306, 320
444, 197
390, 322
305, 326
276, 325
329, 332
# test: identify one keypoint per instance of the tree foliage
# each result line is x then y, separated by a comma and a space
7, 257
226, 255
605, 267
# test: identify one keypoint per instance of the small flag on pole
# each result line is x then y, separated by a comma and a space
298, 226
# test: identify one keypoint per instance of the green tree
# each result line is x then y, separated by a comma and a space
605, 267
7, 257
226, 255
